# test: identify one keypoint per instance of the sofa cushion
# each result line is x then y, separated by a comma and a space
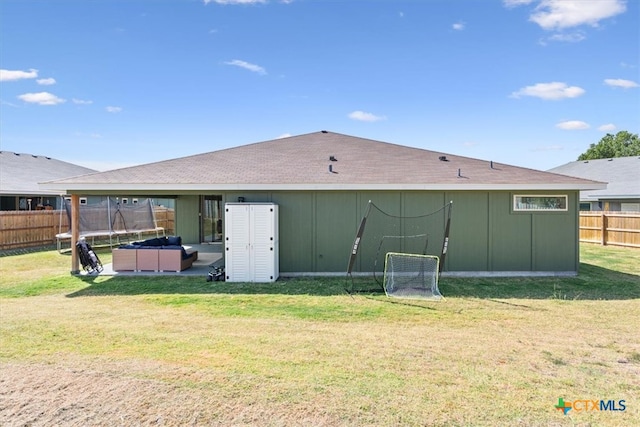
174, 241
156, 241
129, 246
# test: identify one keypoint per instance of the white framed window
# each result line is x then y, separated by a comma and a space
83, 200
540, 202
630, 207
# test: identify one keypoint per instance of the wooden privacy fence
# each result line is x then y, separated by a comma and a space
610, 228
24, 229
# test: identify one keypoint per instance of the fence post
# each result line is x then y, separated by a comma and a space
75, 232
603, 233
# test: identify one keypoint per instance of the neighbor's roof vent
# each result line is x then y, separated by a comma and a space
333, 158
443, 158
324, 131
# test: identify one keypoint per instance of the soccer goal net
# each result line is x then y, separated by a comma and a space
412, 231
411, 276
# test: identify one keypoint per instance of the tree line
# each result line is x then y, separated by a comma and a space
622, 144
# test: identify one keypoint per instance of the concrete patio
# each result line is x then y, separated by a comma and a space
209, 255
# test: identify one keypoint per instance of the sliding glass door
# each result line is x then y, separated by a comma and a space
211, 219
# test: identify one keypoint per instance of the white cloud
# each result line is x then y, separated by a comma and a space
365, 117
514, 3
573, 125
284, 135
550, 91
458, 26
10, 104
559, 14
10, 75
111, 109
574, 37
81, 101
626, 84
247, 66
607, 128
41, 98
46, 82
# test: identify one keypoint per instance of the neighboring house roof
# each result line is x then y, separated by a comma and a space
20, 173
303, 163
622, 174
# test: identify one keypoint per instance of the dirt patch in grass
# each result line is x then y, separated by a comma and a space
115, 394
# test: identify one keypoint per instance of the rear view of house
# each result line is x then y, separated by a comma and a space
505, 218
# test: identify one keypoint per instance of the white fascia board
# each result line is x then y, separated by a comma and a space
31, 192
320, 186
613, 196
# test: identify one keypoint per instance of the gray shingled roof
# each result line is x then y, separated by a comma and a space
622, 174
302, 162
20, 173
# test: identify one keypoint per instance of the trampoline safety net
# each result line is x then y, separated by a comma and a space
109, 217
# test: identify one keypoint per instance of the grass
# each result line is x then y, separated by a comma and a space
303, 352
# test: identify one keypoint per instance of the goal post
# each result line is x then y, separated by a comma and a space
403, 230
411, 276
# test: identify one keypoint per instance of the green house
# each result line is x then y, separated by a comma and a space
505, 220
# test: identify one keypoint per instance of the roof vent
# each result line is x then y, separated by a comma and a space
333, 158
324, 131
443, 158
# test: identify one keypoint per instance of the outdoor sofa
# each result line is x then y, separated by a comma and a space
158, 254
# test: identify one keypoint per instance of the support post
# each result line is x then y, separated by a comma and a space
604, 229
75, 233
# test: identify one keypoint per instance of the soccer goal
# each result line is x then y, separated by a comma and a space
411, 276
408, 232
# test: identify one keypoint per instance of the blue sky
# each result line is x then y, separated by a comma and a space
112, 83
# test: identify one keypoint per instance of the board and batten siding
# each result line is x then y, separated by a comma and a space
317, 228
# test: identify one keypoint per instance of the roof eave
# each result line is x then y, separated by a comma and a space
322, 186
611, 196
41, 192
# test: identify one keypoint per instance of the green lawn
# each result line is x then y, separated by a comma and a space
180, 350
